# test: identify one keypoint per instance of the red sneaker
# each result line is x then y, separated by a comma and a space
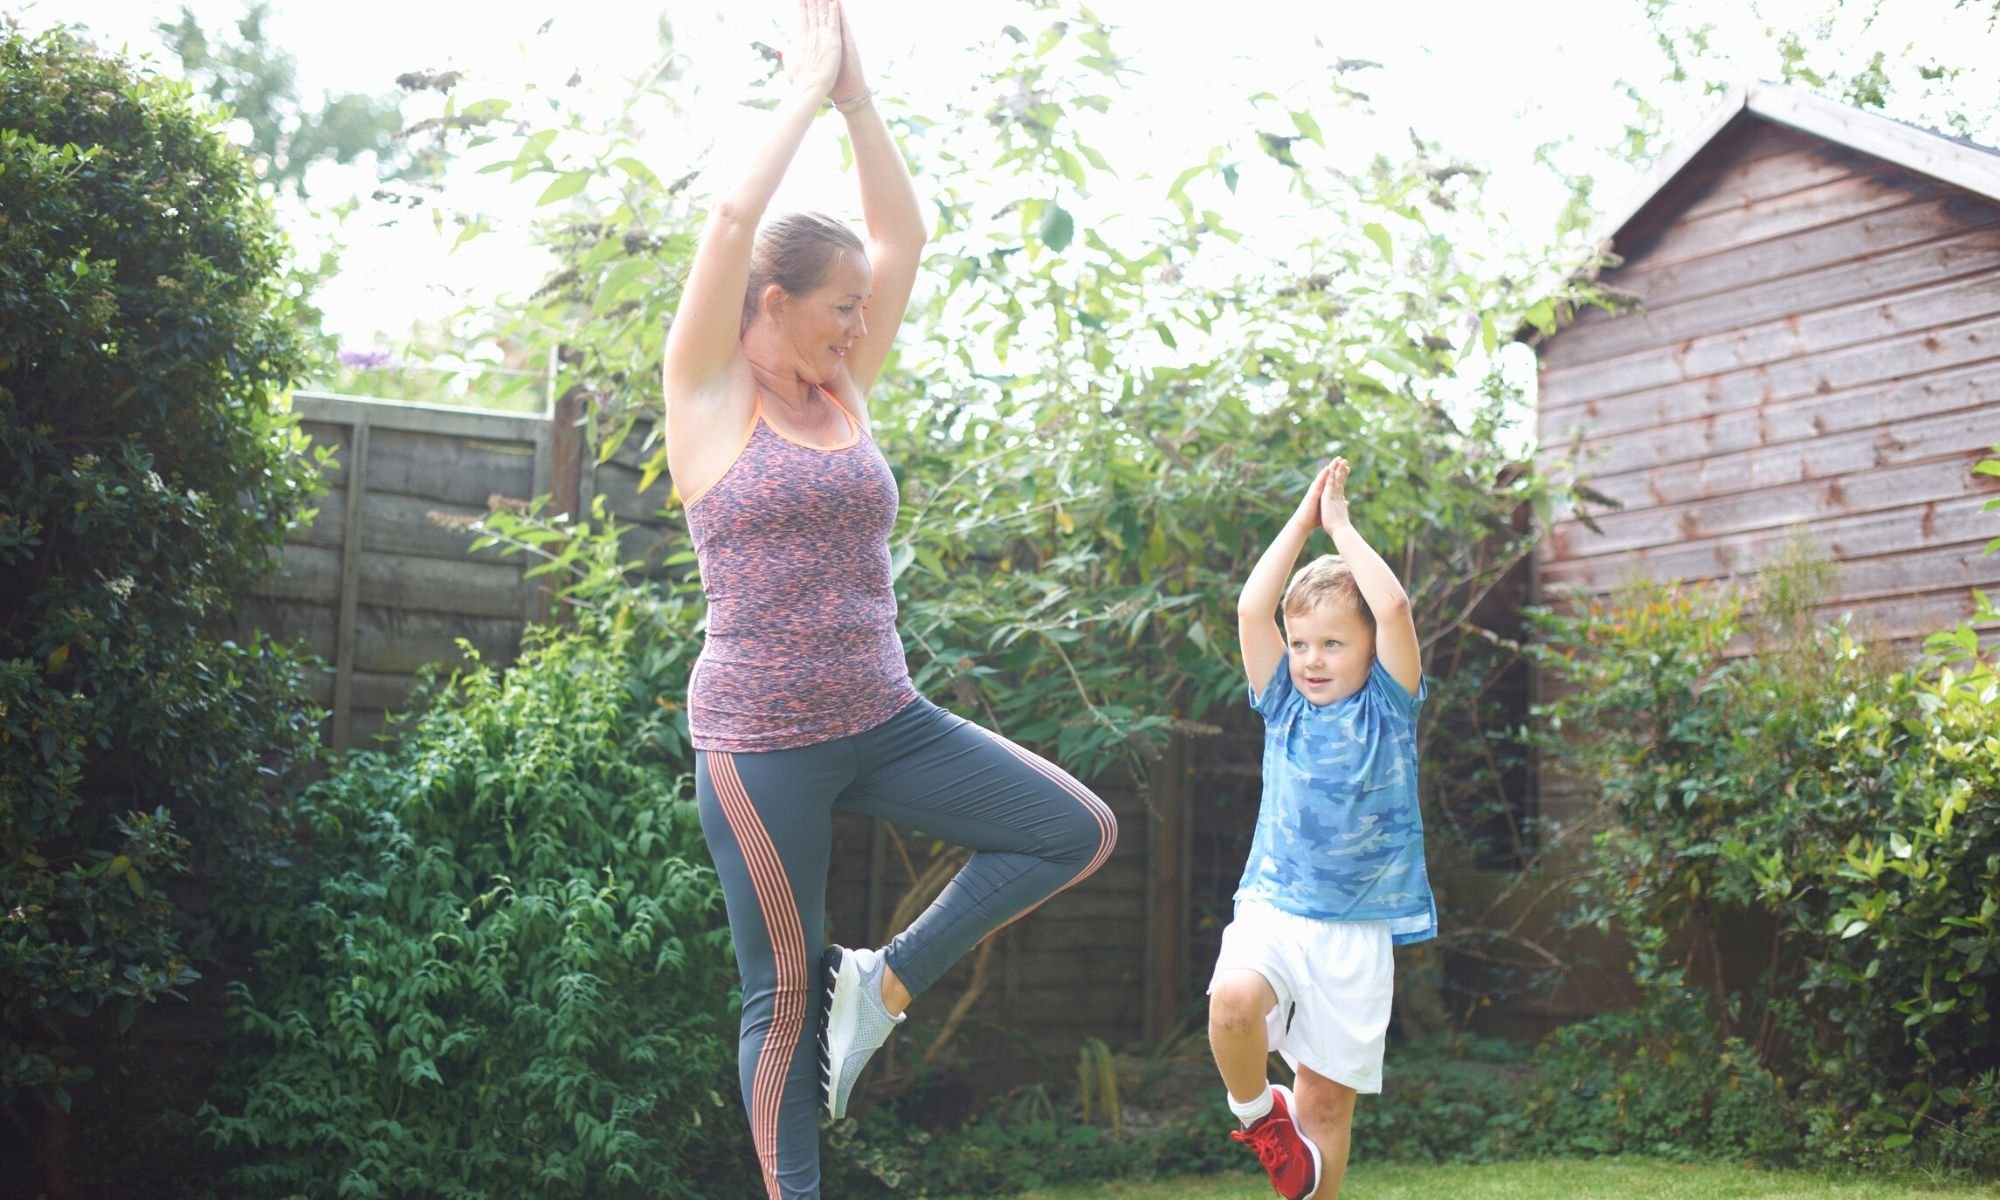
1287, 1154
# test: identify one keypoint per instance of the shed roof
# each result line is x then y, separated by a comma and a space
1965, 164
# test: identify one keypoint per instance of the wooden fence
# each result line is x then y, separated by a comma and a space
378, 587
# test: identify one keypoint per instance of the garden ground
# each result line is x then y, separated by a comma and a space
1591, 1179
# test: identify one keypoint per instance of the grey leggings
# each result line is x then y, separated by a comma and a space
768, 818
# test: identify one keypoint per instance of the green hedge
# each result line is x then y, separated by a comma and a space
147, 474
502, 967
1816, 789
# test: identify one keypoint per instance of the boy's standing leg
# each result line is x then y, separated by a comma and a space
1326, 1114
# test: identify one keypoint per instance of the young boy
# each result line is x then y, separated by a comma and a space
1336, 871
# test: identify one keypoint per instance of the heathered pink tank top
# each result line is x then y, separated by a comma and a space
793, 543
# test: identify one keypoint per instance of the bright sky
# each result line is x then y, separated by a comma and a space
1489, 81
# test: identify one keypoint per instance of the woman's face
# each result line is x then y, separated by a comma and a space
821, 325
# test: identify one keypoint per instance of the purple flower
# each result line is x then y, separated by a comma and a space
367, 360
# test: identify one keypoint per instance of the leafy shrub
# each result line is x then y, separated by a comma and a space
1659, 1081
146, 473
503, 966
1813, 790
1017, 1142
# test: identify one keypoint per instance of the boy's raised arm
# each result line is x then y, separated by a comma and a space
1396, 642
1257, 627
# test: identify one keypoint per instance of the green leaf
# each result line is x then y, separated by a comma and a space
640, 172
565, 186
1057, 228
1308, 126
1378, 233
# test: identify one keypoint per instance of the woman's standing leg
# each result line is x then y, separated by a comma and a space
1033, 829
768, 819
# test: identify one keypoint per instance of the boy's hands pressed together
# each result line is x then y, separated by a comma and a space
1333, 496
1308, 515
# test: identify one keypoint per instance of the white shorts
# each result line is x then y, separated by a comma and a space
1335, 981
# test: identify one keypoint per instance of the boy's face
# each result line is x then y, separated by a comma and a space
1330, 650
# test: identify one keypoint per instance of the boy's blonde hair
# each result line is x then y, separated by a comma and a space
1326, 580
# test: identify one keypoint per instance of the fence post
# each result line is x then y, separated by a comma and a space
350, 586
1167, 896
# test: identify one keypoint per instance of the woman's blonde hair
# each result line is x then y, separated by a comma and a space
797, 252
1323, 581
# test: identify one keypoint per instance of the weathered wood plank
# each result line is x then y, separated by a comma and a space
450, 470
1663, 326
1947, 436
1788, 339
398, 641
395, 524
1774, 508
1920, 352
1684, 173
1949, 570
447, 421
1963, 521
1791, 161
463, 586
1968, 388
1845, 198
1912, 616
302, 623
475, 589
307, 573
1672, 283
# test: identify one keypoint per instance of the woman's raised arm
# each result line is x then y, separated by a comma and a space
896, 229
702, 343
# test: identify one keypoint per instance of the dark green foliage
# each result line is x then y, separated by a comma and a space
1020, 1141
1662, 1082
146, 475
1846, 808
503, 968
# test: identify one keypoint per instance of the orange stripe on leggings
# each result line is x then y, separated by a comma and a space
1107, 823
788, 949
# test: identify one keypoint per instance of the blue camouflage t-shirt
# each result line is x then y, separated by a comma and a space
1339, 835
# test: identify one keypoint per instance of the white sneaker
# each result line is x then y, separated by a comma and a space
856, 1023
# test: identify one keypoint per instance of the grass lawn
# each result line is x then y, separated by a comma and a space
1592, 1179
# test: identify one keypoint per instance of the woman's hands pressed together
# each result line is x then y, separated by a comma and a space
820, 60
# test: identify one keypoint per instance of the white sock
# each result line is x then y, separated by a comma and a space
1252, 1111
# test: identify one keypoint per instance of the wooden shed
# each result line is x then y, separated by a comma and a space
1817, 346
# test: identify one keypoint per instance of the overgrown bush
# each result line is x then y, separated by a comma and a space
147, 471
502, 966
1769, 772
1659, 1081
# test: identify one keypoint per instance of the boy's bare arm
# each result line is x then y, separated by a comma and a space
1396, 642
1257, 628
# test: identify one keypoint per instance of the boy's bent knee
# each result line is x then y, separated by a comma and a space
1240, 999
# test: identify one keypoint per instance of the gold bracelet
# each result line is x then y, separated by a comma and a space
852, 102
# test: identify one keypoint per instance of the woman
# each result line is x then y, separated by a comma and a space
801, 703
